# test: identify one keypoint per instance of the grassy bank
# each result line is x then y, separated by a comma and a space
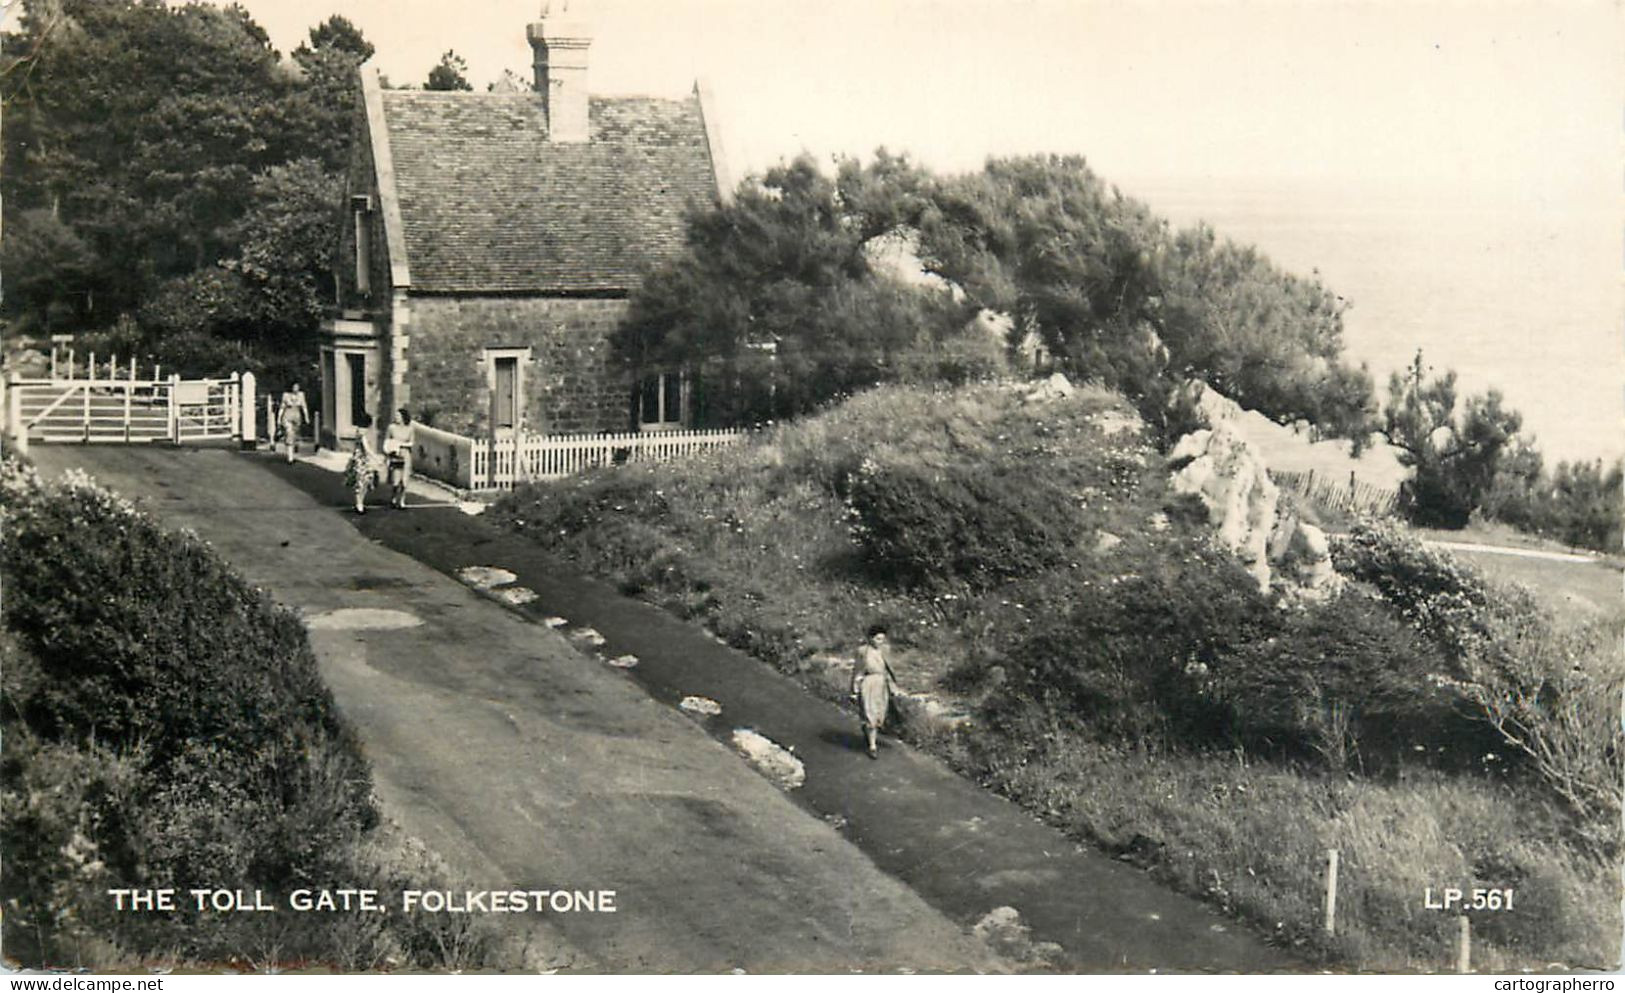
1128, 681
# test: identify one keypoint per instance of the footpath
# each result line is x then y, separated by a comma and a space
525, 722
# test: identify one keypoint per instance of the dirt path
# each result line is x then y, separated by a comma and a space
502, 745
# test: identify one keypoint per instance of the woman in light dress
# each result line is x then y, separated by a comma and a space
291, 417
873, 683
398, 450
361, 474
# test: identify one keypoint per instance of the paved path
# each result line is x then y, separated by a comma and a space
513, 753
1527, 553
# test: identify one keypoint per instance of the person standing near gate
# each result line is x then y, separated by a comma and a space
398, 451
291, 418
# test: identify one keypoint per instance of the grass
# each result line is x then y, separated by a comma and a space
757, 544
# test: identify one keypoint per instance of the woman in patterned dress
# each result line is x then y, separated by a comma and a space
873, 683
361, 474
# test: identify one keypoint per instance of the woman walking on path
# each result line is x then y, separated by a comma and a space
873, 683
291, 417
398, 450
361, 474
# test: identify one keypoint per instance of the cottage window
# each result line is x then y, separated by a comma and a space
660, 402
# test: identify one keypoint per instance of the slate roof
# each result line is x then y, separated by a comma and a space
488, 204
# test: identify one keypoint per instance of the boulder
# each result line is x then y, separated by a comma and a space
1221, 469
1056, 387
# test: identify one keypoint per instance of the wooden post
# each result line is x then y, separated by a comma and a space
174, 409
14, 416
245, 407
1331, 890
132, 368
1464, 947
86, 409
53, 362
70, 363
129, 391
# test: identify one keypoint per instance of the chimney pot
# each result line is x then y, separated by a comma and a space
560, 49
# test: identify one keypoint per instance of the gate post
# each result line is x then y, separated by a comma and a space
14, 413
174, 409
245, 409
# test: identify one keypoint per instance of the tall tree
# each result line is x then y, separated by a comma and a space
1454, 458
319, 111
450, 74
138, 125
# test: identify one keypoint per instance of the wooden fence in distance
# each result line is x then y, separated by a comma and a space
1352, 497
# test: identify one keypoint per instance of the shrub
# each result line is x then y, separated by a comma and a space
958, 525
168, 725
1550, 694
1347, 683
1129, 652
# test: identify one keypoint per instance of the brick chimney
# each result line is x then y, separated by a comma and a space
560, 48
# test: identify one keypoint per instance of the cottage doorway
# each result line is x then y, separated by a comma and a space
505, 392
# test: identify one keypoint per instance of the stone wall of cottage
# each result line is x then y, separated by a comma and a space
571, 382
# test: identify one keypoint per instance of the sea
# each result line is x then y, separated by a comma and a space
1520, 294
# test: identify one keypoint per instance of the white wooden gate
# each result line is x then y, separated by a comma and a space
130, 410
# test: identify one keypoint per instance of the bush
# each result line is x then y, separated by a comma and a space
166, 726
1346, 683
1550, 694
1129, 653
960, 525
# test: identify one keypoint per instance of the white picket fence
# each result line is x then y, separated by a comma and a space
117, 407
501, 462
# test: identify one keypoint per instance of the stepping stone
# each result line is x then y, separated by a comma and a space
623, 661
516, 595
555, 622
700, 706
588, 636
771, 759
484, 577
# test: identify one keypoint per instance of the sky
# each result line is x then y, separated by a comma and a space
1501, 123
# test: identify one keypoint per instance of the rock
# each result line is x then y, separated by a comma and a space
1105, 541
1115, 422
516, 595
926, 710
555, 622
700, 706
588, 636
1002, 930
1309, 563
772, 760
1056, 387
1220, 468
485, 577
623, 661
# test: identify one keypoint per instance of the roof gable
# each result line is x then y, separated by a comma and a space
489, 204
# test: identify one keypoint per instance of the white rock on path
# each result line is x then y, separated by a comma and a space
623, 661
772, 760
516, 595
485, 577
702, 706
587, 635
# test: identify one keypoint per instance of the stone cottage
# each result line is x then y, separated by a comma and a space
491, 243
